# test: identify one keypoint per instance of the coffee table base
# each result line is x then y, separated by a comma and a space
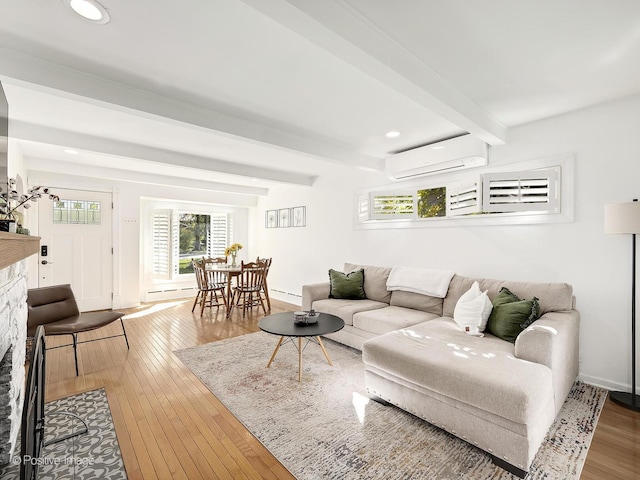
300, 349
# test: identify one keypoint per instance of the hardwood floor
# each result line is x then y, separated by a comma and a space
170, 426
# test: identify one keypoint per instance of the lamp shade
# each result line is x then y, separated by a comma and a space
622, 218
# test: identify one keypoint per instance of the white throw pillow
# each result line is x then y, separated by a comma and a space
472, 310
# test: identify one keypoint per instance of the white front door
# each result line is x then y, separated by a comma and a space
76, 246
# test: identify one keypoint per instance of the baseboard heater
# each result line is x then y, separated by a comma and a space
169, 294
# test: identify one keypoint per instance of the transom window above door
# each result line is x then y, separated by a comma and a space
77, 212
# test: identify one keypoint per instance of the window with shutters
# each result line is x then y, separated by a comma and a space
464, 199
539, 192
526, 191
178, 237
162, 244
395, 205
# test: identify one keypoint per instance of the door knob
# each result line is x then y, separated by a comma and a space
44, 262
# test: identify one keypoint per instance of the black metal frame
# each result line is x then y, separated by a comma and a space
75, 343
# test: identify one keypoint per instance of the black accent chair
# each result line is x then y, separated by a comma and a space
55, 308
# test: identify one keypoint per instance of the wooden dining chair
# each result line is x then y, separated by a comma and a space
210, 284
265, 287
217, 260
250, 283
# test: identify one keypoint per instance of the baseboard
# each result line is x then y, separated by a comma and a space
286, 297
606, 383
169, 294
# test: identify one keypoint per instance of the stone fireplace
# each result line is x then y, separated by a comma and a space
13, 333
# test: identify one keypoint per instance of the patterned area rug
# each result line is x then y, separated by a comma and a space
326, 427
93, 455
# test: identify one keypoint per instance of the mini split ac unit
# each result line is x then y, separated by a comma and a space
457, 153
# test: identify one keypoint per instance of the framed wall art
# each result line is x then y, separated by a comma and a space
299, 216
271, 219
284, 217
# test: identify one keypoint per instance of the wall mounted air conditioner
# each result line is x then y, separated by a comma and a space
457, 153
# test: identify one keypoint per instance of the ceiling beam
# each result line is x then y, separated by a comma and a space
40, 165
55, 79
347, 34
100, 145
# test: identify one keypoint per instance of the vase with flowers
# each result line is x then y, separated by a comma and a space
233, 251
11, 201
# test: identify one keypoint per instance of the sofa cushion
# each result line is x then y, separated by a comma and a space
375, 281
473, 310
480, 371
345, 309
552, 297
347, 285
416, 301
387, 319
511, 315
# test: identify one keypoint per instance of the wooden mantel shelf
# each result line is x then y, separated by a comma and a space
14, 247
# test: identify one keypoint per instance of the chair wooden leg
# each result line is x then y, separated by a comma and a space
203, 302
75, 350
262, 304
265, 288
224, 299
230, 305
195, 302
244, 304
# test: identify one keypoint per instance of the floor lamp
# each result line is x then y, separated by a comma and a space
625, 218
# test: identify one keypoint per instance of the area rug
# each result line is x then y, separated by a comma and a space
93, 455
326, 427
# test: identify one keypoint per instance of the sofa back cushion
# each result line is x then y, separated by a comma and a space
375, 281
416, 301
552, 297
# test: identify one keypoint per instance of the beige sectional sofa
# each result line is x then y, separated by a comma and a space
497, 395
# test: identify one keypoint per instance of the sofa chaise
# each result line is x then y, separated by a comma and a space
498, 395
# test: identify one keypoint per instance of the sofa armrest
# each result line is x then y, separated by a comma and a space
313, 292
553, 340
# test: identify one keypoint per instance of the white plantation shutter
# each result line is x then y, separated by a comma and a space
392, 205
463, 199
363, 208
175, 244
526, 191
162, 244
219, 235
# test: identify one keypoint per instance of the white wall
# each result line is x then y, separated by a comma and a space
606, 145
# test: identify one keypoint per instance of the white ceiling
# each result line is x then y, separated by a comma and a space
249, 93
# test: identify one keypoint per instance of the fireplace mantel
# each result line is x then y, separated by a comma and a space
14, 247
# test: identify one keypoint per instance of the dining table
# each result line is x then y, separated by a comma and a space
230, 271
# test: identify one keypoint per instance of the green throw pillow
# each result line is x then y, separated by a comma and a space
504, 296
511, 315
347, 285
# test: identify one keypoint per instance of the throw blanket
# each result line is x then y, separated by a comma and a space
420, 280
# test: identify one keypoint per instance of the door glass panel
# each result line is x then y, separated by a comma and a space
77, 211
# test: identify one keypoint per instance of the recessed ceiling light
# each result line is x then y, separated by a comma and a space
437, 148
70, 151
392, 134
90, 10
